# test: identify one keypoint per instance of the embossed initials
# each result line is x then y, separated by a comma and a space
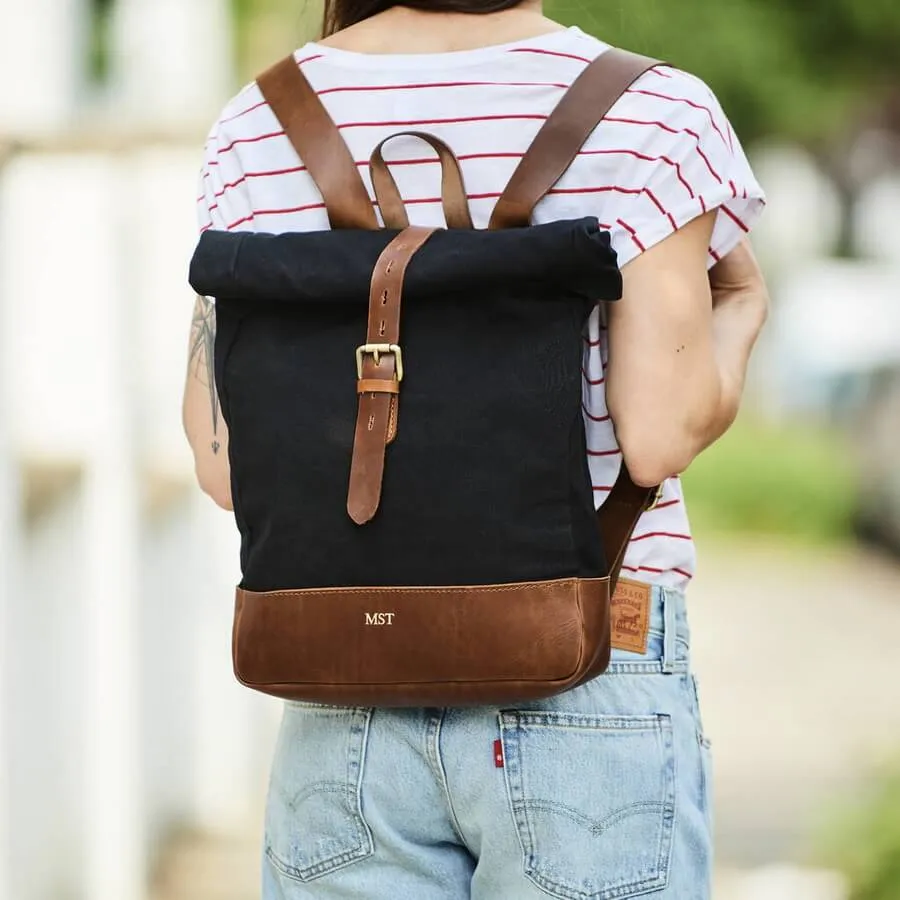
380, 618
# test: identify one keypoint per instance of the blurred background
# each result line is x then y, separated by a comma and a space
132, 767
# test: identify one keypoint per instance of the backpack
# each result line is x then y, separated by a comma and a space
417, 519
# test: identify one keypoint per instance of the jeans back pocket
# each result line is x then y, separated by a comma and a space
314, 820
593, 799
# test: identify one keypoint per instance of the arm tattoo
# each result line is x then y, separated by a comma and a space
201, 360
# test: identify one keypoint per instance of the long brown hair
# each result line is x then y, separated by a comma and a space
343, 13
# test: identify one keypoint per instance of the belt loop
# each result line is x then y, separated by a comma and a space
670, 630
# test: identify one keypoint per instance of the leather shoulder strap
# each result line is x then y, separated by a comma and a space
319, 144
585, 105
618, 517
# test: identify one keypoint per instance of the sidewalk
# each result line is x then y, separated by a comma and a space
799, 683
795, 651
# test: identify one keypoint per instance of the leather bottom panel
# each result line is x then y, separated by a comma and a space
422, 646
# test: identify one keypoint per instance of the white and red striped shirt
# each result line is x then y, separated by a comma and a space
664, 155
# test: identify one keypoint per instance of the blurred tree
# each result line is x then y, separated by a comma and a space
822, 74
819, 73
785, 67
269, 29
793, 68
98, 63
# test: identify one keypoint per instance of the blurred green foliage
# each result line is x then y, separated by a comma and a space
863, 840
98, 37
268, 29
803, 70
793, 481
815, 72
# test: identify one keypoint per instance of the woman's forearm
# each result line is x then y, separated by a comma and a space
204, 427
736, 326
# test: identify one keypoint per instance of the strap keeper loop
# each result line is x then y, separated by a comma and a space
377, 386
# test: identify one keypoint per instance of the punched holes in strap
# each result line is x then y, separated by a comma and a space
380, 373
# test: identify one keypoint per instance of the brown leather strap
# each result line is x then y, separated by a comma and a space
618, 517
453, 191
380, 359
585, 105
319, 144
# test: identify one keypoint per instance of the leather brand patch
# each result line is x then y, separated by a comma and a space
630, 616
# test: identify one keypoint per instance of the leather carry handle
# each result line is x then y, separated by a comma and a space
319, 145
453, 191
584, 106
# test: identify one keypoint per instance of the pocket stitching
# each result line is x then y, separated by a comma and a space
352, 791
323, 867
642, 881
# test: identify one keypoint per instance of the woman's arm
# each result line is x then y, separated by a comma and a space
678, 351
740, 308
202, 417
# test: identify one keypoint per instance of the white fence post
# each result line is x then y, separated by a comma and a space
189, 81
8, 565
203, 562
43, 59
70, 361
126, 719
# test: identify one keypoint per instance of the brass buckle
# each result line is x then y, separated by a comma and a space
657, 497
376, 350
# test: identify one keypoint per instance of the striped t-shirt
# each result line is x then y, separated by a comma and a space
664, 155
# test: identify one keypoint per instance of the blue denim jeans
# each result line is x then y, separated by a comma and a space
601, 793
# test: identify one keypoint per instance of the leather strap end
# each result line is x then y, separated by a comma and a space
362, 513
367, 466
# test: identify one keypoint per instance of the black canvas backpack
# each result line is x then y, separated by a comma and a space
412, 488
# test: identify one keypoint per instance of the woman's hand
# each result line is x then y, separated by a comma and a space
740, 308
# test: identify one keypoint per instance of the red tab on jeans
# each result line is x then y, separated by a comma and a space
498, 754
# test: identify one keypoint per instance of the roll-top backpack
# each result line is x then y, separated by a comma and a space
412, 490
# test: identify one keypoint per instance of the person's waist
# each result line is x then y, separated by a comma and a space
650, 625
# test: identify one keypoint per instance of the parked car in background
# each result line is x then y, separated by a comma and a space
878, 430
835, 349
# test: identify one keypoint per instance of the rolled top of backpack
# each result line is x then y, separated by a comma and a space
575, 258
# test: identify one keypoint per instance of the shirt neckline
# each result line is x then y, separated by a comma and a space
450, 59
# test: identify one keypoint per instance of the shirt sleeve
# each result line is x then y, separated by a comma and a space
684, 160
223, 203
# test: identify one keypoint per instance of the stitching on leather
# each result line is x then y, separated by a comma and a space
486, 589
550, 683
392, 419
